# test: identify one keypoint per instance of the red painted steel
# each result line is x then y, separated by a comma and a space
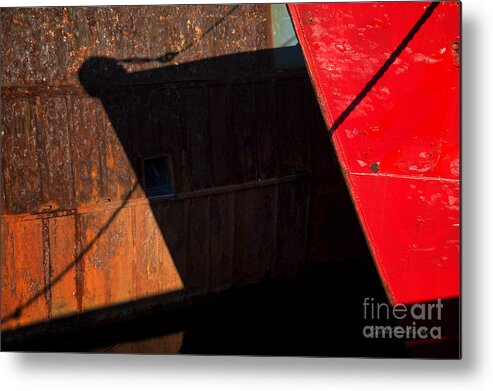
387, 80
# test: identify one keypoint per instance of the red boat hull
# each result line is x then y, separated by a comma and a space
387, 78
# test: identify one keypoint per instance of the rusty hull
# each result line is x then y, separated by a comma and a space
78, 232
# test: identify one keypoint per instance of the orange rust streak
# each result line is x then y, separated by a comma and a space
25, 276
62, 251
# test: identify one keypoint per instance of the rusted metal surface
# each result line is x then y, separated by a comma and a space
23, 272
49, 45
387, 79
78, 232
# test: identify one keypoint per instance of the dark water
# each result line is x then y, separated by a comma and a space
319, 315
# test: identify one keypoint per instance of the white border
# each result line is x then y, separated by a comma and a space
130, 372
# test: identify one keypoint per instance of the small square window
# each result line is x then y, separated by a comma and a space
157, 176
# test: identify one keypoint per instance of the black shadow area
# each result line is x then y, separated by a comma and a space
317, 314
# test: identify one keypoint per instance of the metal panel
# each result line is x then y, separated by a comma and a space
223, 155
24, 298
86, 150
266, 129
292, 140
198, 136
222, 240
20, 163
62, 252
244, 132
55, 163
255, 248
95, 268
